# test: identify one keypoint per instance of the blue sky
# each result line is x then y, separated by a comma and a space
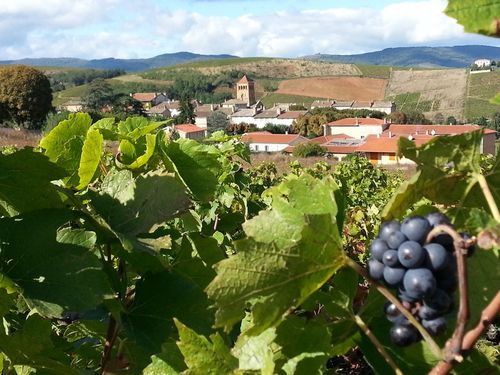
285, 28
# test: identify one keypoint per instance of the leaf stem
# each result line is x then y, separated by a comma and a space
488, 195
436, 350
380, 348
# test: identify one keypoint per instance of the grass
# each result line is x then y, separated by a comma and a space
483, 97
375, 71
270, 99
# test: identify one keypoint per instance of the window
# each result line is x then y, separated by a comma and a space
266, 148
256, 147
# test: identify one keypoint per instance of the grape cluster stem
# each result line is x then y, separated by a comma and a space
453, 347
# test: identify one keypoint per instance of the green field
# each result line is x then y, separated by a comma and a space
411, 101
375, 71
483, 95
270, 99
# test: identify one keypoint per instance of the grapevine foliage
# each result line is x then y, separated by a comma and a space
166, 256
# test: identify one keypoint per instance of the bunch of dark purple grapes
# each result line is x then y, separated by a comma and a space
425, 274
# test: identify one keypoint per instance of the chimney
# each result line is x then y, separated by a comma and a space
433, 132
378, 135
390, 134
357, 121
324, 130
286, 132
427, 132
278, 111
385, 120
212, 107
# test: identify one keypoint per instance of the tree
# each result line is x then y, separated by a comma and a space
451, 120
305, 150
217, 121
187, 115
438, 118
25, 96
398, 117
481, 121
99, 95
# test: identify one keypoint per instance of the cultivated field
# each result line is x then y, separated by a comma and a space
481, 95
271, 68
441, 91
340, 88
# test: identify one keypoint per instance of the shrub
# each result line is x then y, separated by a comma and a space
305, 150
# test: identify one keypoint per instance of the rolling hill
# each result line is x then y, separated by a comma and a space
130, 65
448, 57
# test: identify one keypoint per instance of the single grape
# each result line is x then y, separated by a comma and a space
427, 312
437, 256
391, 312
411, 254
375, 269
448, 282
435, 326
390, 258
395, 239
416, 228
377, 249
394, 275
405, 297
419, 282
440, 301
437, 218
403, 335
387, 228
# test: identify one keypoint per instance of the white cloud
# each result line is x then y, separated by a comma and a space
142, 28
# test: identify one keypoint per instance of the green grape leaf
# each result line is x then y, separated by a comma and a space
32, 346
159, 367
196, 165
77, 125
447, 163
476, 16
137, 127
134, 156
483, 270
75, 146
159, 298
134, 205
53, 276
256, 353
203, 356
305, 344
292, 250
25, 182
90, 158
107, 128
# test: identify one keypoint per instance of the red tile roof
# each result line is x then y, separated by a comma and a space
259, 137
245, 79
357, 121
325, 139
188, 128
144, 96
292, 114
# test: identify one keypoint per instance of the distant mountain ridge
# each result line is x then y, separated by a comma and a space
447, 57
130, 65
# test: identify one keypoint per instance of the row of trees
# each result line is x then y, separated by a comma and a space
61, 80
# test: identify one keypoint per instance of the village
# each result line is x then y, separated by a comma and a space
375, 138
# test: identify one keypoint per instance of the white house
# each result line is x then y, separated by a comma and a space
268, 142
482, 63
356, 127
